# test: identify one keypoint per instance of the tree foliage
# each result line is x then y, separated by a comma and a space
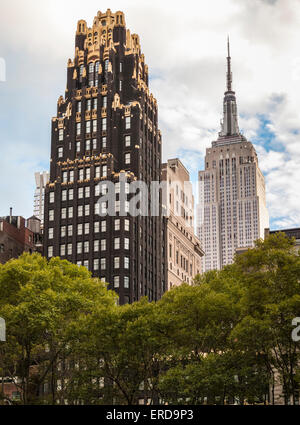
224, 339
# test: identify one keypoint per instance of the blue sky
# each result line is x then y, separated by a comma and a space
186, 58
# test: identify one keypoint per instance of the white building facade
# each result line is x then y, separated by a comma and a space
41, 179
232, 211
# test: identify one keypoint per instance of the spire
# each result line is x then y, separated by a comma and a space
229, 73
229, 125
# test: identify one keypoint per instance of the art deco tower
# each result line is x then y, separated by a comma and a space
232, 209
106, 127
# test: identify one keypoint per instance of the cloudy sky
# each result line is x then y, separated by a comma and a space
185, 48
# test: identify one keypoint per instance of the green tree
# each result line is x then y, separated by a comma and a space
41, 301
270, 278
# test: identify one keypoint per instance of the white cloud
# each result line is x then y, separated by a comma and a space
184, 45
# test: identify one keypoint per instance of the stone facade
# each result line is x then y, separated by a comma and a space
232, 211
182, 246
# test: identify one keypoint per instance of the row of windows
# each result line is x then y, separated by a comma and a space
84, 174
84, 247
84, 228
93, 125
84, 192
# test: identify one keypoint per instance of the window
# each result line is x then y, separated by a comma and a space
95, 144
127, 141
50, 233
80, 210
86, 247
61, 135
51, 215
88, 145
126, 263
86, 210
103, 245
96, 246
104, 171
71, 176
104, 101
86, 264
103, 263
97, 64
65, 177
121, 66
51, 197
88, 104
117, 281
104, 188
126, 243
87, 192
127, 158
50, 251
117, 243
104, 142
60, 152
78, 107
106, 65
70, 212
77, 147
97, 208
117, 262
104, 124
80, 192
120, 85
87, 173
127, 123
78, 129
96, 264
71, 194
96, 227
79, 229
117, 225
81, 174
63, 231
103, 226
94, 126
103, 208
127, 225
64, 195
64, 213
62, 250
86, 228
88, 127
69, 249
95, 104
126, 282
79, 247
97, 172
91, 67
70, 230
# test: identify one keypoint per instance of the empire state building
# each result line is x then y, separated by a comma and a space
232, 210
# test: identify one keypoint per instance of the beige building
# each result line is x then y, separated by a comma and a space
232, 211
41, 179
183, 247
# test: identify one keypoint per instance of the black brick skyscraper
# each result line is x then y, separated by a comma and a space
106, 127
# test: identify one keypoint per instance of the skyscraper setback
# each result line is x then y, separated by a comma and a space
232, 209
106, 128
